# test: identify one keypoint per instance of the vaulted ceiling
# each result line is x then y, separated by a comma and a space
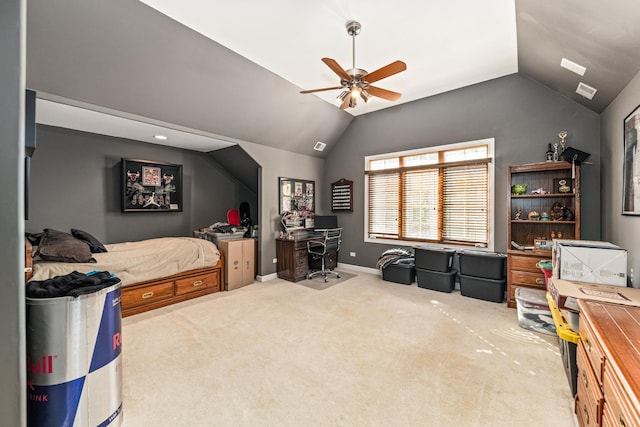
233, 71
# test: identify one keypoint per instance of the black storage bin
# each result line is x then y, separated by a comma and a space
568, 353
434, 259
436, 280
404, 274
487, 265
481, 288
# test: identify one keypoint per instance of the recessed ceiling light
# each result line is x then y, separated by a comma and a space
319, 146
162, 137
572, 66
586, 90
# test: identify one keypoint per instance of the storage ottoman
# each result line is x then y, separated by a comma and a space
434, 259
487, 265
436, 280
481, 288
534, 312
404, 274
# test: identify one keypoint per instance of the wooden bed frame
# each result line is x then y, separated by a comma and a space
144, 296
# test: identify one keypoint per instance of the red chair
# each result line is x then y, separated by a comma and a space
233, 217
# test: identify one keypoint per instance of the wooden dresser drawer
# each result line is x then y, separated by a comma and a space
592, 349
301, 258
608, 419
528, 278
621, 406
588, 386
526, 263
197, 283
135, 296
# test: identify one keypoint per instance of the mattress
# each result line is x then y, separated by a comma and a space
135, 262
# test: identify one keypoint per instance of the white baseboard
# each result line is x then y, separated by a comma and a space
358, 268
267, 277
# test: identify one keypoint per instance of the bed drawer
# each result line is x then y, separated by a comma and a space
197, 283
135, 296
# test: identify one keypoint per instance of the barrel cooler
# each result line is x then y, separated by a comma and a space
74, 362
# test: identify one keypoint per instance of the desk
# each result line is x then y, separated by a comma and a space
293, 259
608, 365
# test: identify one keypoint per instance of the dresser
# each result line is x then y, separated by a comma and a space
523, 272
608, 360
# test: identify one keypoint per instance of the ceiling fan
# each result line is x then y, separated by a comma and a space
356, 81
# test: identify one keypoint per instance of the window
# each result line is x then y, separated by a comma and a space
441, 195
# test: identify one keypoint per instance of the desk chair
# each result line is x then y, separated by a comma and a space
318, 248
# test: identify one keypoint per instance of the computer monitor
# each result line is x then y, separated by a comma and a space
325, 221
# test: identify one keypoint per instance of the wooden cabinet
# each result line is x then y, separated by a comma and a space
292, 257
608, 362
240, 257
555, 179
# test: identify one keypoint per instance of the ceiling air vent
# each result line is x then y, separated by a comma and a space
319, 146
586, 90
572, 66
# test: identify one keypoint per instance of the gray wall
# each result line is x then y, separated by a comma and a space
12, 327
275, 163
75, 182
623, 230
124, 55
522, 115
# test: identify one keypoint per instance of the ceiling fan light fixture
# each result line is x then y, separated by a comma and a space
364, 95
354, 81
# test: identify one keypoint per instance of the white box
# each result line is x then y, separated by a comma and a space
589, 261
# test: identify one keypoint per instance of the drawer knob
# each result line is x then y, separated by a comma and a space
147, 295
197, 283
587, 344
584, 378
586, 414
539, 281
621, 421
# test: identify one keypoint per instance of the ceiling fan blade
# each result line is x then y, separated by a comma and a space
320, 90
336, 68
383, 93
345, 102
386, 71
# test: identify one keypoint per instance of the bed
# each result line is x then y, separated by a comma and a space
154, 272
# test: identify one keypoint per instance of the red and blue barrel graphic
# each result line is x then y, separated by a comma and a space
74, 362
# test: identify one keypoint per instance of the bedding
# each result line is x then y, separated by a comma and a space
59, 246
135, 262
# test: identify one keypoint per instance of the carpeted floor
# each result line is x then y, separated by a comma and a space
318, 283
363, 352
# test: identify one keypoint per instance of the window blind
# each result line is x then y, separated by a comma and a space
445, 203
384, 201
465, 204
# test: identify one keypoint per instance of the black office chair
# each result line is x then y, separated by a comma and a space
319, 248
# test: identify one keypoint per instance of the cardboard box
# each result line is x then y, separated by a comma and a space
589, 261
566, 293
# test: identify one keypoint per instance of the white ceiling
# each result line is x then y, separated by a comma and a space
446, 44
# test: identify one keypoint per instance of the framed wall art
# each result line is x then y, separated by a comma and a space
631, 165
149, 186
